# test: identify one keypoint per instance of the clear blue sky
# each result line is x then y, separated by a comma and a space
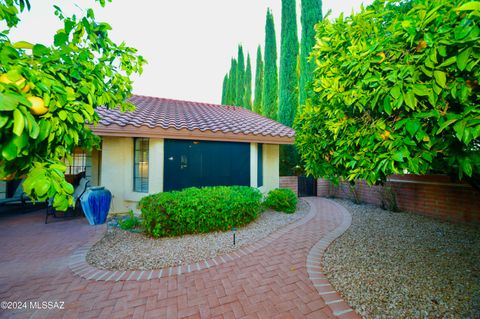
188, 43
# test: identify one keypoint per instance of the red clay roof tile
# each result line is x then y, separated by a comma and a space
153, 112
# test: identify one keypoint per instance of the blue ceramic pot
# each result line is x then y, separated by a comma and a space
96, 204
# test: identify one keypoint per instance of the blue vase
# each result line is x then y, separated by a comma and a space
96, 204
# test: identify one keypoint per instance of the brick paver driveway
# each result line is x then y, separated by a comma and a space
282, 279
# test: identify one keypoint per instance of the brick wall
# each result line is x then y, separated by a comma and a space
434, 195
289, 182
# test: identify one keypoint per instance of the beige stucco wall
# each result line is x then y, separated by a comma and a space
116, 172
271, 170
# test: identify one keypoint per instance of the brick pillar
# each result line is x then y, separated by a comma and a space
290, 182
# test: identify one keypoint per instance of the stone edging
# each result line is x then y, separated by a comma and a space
314, 265
79, 266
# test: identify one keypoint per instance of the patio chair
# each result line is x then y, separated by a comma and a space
79, 191
19, 197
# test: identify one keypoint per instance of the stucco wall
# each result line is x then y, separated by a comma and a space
271, 178
116, 171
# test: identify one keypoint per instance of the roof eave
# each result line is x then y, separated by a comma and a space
185, 134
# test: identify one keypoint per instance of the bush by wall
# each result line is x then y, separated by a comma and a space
282, 200
200, 210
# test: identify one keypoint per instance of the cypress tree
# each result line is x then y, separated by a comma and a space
311, 14
288, 99
248, 85
225, 89
240, 96
232, 83
257, 104
270, 81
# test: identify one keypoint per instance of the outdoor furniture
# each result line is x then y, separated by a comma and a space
79, 191
19, 197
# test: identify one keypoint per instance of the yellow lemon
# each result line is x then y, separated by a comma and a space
38, 105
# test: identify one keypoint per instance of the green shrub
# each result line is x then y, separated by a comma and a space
199, 210
130, 222
282, 200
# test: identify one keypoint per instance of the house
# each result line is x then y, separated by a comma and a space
168, 145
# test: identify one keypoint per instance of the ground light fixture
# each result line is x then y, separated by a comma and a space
234, 231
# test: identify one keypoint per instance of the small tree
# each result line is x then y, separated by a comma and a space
311, 14
225, 89
395, 92
48, 97
240, 97
270, 79
247, 101
257, 103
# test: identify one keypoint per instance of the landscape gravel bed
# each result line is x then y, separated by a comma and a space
402, 265
124, 250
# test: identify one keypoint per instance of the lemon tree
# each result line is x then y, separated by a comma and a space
395, 91
48, 97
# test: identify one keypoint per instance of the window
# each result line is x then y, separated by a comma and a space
140, 165
259, 165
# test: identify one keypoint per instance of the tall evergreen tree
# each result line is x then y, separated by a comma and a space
225, 89
232, 83
257, 103
311, 14
248, 85
288, 97
240, 78
270, 81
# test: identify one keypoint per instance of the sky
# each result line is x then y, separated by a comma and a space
188, 43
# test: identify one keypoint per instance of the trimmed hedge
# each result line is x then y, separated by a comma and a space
282, 200
200, 210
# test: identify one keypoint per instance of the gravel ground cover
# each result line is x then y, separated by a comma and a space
122, 250
402, 265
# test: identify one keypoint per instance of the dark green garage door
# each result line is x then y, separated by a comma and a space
204, 163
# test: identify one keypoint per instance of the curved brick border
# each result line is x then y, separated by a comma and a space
78, 263
315, 268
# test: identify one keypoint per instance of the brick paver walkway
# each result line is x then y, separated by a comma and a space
275, 280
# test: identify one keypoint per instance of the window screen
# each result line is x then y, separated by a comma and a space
140, 166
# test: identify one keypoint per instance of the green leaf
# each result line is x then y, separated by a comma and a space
3, 120
421, 90
410, 99
42, 187
440, 77
40, 50
462, 58
44, 127
60, 38
451, 60
466, 167
395, 92
18, 122
62, 115
445, 124
412, 126
8, 102
459, 129
470, 6
23, 45
387, 106
9, 152
398, 156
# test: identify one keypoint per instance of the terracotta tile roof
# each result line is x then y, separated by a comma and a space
162, 115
